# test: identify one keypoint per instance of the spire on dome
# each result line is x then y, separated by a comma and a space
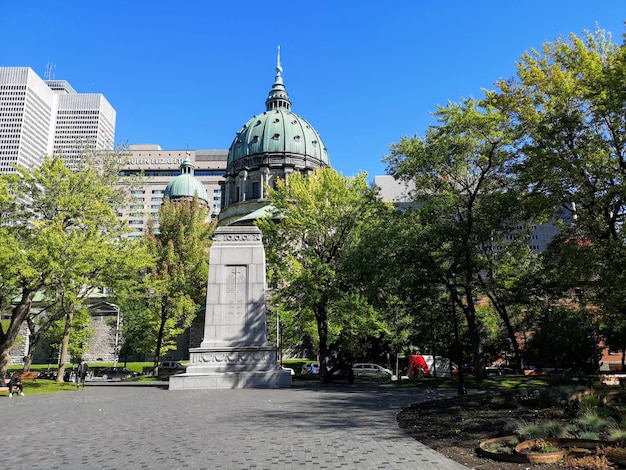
278, 97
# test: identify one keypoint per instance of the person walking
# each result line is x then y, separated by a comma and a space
81, 373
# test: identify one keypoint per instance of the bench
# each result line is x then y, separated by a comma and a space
31, 374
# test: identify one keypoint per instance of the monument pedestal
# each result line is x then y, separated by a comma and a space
243, 367
235, 352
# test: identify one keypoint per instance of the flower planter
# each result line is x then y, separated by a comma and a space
532, 450
570, 442
486, 449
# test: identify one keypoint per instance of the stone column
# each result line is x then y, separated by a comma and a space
234, 352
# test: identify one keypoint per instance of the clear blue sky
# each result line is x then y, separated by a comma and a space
363, 73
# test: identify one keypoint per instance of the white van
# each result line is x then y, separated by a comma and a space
423, 365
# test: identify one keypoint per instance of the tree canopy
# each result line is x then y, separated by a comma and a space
61, 231
314, 220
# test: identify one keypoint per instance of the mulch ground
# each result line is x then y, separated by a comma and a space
454, 427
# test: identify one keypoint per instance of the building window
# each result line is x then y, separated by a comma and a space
256, 193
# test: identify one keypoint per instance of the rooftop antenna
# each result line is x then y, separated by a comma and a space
49, 71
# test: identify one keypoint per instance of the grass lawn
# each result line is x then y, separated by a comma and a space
492, 383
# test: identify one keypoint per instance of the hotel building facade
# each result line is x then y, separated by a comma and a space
159, 167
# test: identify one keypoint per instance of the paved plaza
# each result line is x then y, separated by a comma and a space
145, 426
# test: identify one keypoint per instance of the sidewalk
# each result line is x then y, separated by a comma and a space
145, 426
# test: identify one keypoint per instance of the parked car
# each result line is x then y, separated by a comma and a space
371, 370
171, 368
498, 370
48, 374
310, 368
116, 373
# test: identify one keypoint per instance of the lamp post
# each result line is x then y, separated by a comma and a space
117, 336
451, 278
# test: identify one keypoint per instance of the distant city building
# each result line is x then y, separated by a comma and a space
47, 117
399, 193
160, 168
268, 147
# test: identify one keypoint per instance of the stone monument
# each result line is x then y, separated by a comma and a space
234, 352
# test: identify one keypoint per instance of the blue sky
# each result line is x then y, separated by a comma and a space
363, 73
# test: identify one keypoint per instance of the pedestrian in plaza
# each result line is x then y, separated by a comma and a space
81, 373
15, 382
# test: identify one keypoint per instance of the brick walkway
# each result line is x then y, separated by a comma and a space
145, 426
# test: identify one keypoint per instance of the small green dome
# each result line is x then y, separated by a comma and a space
186, 185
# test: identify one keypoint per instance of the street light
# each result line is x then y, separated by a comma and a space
451, 278
117, 336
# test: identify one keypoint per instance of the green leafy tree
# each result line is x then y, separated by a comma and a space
314, 220
566, 108
58, 227
468, 205
55, 334
390, 264
175, 287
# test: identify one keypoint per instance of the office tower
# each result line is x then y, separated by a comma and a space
83, 120
39, 117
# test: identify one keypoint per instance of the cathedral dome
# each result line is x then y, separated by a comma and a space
277, 132
268, 148
185, 185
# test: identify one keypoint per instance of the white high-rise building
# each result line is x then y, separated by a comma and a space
47, 117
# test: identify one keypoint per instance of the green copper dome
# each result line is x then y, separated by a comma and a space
278, 131
186, 185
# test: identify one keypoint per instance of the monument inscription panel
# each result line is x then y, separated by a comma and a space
236, 284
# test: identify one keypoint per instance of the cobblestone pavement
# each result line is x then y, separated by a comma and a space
146, 426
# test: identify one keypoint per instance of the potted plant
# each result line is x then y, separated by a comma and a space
501, 449
541, 451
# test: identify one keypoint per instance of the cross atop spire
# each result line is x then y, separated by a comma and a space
278, 97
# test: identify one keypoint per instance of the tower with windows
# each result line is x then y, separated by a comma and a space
47, 117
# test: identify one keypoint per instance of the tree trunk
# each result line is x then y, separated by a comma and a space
7, 339
33, 340
474, 335
321, 316
159, 343
65, 342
